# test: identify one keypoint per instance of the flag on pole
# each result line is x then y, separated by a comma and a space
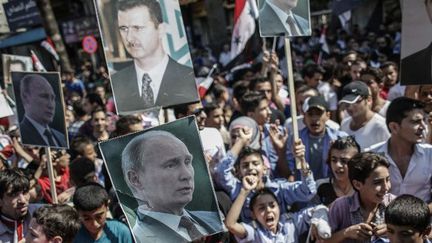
323, 41
37, 63
245, 40
49, 46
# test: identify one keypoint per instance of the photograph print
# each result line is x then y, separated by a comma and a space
146, 49
39, 103
289, 18
163, 183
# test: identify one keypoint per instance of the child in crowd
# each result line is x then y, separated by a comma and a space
83, 147
360, 217
91, 202
53, 223
270, 225
408, 220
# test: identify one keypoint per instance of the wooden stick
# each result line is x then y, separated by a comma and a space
51, 175
292, 96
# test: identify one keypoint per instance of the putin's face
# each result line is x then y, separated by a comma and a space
167, 176
39, 102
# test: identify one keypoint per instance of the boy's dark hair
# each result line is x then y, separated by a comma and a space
82, 171
363, 164
261, 192
250, 101
310, 70
94, 98
305, 88
343, 143
98, 109
246, 152
239, 89
58, 220
122, 124
399, 109
388, 64
209, 107
408, 210
374, 72
259, 80
78, 109
90, 197
13, 181
78, 145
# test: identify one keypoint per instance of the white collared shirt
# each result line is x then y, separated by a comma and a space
172, 221
417, 180
283, 16
156, 75
41, 130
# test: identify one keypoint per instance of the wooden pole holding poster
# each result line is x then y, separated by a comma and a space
51, 175
293, 106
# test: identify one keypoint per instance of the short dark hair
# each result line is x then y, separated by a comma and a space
259, 80
250, 101
90, 197
247, 151
122, 124
305, 88
239, 89
261, 192
209, 107
408, 210
13, 181
388, 64
82, 170
78, 145
343, 143
58, 220
94, 98
310, 70
98, 109
363, 164
374, 72
399, 109
153, 7
78, 109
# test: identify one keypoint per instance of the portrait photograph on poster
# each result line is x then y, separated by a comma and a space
163, 183
14, 63
416, 49
39, 103
147, 52
284, 18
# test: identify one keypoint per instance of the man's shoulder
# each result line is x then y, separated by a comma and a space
117, 228
126, 71
208, 219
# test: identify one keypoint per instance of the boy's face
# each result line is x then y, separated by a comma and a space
15, 206
339, 160
215, 118
266, 211
94, 221
374, 188
35, 234
252, 165
262, 113
413, 127
403, 234
89, 152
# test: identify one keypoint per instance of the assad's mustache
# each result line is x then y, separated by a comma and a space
133, 44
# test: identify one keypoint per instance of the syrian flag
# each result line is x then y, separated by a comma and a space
245, 40
205, 83
37, 63
49, 46
323, 41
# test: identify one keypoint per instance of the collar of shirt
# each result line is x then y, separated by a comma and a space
172, 221
283, 16
156, 75
40, 129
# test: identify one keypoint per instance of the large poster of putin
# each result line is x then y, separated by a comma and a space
163, 184
39, 102
146, 48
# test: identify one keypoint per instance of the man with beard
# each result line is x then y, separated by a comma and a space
409, 156
158, 169
15, 210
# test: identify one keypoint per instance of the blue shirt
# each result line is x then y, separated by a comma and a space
329, 136
113, 231
286, 192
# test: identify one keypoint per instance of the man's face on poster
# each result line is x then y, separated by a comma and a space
140, 33
39, 102
167, 176
285, 4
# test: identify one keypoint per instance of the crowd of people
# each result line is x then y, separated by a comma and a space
364, 149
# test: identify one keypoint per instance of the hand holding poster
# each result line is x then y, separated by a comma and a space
284, 18
159, 72
163, 183
40, 105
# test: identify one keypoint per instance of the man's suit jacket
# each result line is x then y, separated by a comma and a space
148, 229
30, 136
416, 68
273, 25
177, 87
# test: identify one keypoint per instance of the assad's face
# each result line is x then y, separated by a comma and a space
39, 103
167, 177
140, 35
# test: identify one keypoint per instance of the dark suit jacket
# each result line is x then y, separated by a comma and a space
30, 135
177, 87
273, 26
147, 229
416, 68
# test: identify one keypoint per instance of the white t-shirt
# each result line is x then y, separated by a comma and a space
373, 132
383, 110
